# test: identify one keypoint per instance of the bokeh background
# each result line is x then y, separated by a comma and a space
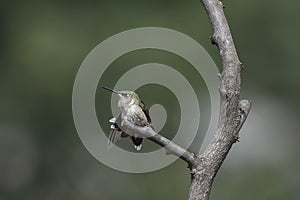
43, 44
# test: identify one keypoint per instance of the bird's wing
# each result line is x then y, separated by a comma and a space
113, 137
115, 133
146, 112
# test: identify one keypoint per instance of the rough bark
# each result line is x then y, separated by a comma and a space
233, 112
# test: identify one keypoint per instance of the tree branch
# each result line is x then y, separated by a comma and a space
149, 133
233, 112
232, 116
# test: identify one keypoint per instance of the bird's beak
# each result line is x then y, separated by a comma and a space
109, 89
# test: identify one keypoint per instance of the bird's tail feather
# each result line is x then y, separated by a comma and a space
137, 142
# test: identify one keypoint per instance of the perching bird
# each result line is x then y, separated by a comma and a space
132, 109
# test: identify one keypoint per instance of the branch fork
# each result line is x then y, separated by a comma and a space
233, 112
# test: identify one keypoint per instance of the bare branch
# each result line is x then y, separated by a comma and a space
232, 115
149, 133
233, 112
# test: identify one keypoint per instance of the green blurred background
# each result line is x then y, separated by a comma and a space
43, 44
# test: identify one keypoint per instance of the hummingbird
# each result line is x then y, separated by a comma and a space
135, 111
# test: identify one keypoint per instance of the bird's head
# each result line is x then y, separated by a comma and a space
126, 97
